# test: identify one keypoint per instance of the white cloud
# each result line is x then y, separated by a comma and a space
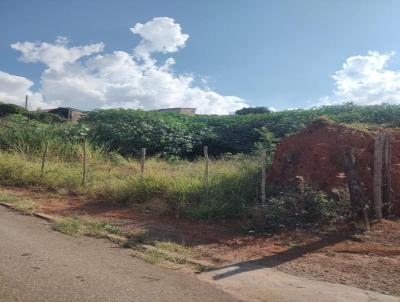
54, 55
120, 79
366, 80
159, 35
13, 89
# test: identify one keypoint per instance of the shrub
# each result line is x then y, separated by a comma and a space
252, 110
294, 208
128, 131
8, 109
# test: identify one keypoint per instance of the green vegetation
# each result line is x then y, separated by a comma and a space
252, 110
153, 256
84, 226
171, 135
22, 205
166, 134
128, 131
11, 109
157, 255
173, 247
297, 206
8, 197
179, 186
25, 206
173, 182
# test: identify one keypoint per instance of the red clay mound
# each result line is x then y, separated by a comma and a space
317, 154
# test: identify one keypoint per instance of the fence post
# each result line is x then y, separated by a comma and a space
46, 146
377, 177
387, 170
26, 102
357, 196
206, 173
84, 174
263, 176
142, 160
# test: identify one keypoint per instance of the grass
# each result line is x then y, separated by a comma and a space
170, 187
84, 226
157, 254
173, 247
68, 226
8, 197
24, 206
154, 255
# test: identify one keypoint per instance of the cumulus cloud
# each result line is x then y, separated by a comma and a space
366, 80
120, 79
13, 89
159, 35
55, 55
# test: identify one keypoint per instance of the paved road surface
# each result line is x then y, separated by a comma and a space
39, 264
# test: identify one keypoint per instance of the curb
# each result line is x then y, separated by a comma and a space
6, 204
39, 215
44, 216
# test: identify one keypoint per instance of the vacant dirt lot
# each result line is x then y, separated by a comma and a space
366, 260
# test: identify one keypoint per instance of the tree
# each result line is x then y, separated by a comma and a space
252, 110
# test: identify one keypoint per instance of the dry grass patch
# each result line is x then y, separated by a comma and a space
19, 204
25, 206
173, 247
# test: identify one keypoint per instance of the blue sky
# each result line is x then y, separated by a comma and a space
281, 54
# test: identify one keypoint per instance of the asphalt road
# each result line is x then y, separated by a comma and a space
39, 264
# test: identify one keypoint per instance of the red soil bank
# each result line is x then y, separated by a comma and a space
317, 154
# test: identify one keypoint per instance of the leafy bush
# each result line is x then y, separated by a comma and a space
178, 135
128, 131
8, 109
294, 208
252, 110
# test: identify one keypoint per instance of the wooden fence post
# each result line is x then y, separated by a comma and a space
263, 176
46, 146
377, 176
206, 172
26, 102
142, 161
84, 173
387, 170
357, 196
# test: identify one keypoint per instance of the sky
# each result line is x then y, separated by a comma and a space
217, 56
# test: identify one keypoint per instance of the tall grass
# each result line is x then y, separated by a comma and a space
64, 141
178, 186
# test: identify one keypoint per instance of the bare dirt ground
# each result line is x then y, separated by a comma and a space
366, 260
